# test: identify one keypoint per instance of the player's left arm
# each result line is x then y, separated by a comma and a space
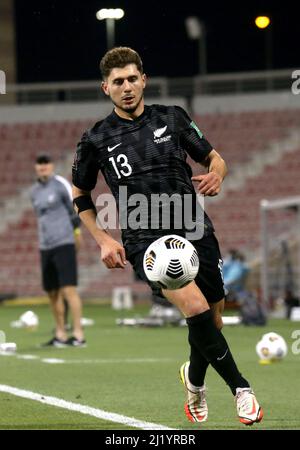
210, 183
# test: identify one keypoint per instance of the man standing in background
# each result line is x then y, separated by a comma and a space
59, 231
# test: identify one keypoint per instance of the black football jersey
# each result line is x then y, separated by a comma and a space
144, 159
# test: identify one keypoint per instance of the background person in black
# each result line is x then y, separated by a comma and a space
144, 149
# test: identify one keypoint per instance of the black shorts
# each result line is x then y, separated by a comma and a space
59, 267
209, 278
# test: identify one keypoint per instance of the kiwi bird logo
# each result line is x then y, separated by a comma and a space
159, 132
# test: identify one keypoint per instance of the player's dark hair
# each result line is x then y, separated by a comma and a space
119, 57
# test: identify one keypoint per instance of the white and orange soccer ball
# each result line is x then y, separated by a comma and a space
271, 347
171, 262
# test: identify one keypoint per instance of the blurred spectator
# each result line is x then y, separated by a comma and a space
252, 312
235, 272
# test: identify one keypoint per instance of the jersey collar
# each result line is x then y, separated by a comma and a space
117, 118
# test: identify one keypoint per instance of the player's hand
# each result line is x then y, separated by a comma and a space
209, 183
113, 254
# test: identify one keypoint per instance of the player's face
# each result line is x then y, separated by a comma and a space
44, 170
125, 87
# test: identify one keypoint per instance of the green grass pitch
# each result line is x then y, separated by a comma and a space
134, 372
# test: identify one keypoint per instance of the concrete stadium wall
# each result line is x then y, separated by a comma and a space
206, 104
69, 111
201, 105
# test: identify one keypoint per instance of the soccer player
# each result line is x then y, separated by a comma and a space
58, 226
144, 149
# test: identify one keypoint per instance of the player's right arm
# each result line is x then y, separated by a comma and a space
84, 177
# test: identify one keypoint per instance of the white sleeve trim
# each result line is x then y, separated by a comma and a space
66, 184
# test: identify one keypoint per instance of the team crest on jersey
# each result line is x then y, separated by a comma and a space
158, 133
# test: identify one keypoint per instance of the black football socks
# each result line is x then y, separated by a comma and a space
207, 340
198, 367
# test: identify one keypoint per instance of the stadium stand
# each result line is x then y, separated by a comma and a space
243, 137
240, 209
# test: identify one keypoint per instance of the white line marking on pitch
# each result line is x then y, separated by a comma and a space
90, 361
53, 361
28, 357
83, 409
104, 361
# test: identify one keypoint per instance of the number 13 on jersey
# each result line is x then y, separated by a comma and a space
122, 167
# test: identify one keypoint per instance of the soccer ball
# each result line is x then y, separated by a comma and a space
171, 262
29, 320
271, 347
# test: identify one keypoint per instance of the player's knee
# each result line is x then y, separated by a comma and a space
67, 292
189, 300
194, 309
192, 306
53, 295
